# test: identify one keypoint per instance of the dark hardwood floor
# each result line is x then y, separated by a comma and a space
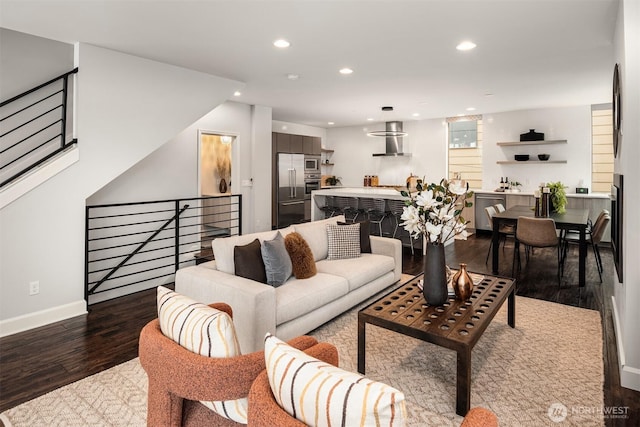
35, 362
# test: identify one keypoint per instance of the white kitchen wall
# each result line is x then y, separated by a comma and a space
353, 156
298, 129
571, 123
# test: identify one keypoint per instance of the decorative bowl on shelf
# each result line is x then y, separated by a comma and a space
522, 157
544, 157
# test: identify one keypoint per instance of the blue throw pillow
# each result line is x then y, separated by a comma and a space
277, 263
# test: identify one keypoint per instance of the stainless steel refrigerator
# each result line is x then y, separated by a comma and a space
290, 189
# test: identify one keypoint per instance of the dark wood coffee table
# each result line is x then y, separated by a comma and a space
456, 325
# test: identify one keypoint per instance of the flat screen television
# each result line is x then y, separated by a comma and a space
617, 224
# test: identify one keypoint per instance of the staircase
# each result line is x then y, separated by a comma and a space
34, 129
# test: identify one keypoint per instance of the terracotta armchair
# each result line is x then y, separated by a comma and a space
178, 378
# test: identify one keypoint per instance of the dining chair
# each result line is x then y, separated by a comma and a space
594, 238
536, 233
505, 229
499, 207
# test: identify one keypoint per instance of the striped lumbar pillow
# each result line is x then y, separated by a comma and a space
320, 394
205, 331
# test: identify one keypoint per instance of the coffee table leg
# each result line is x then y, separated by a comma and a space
463, 386
361, 346
511, 313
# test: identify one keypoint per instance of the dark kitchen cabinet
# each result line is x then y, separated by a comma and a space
283, 142
296, 144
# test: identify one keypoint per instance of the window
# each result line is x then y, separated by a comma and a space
465, 149
601, 148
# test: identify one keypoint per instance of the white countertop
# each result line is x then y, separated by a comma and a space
377, 192
530, 193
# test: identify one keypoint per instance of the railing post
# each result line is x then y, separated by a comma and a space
240, 214
177, 236
63, 131
86, 255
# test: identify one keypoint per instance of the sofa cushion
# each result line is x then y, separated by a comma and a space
315, 233
343, 241
223, 247
298, 297
302, 262
320, 394
247, 261
277, 263
204, 331
365, 240
358, 271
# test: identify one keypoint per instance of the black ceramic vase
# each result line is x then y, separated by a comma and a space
434, 286
222, 186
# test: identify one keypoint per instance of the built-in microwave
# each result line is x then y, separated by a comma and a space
311, 164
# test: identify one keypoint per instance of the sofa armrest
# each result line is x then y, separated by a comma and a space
390, 247
253, 303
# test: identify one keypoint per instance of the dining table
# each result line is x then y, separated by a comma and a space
576, 219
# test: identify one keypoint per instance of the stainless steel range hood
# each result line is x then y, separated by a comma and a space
393, 136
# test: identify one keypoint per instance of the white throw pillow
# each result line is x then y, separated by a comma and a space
320, 394
204, 331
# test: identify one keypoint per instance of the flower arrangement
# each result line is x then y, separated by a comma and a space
435, 210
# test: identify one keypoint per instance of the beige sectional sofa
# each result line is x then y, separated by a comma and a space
299, 305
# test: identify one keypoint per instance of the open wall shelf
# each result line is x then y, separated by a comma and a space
513, 162
518, 143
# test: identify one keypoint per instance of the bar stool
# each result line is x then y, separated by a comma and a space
348, 207
330, 208
375, 209
396, 208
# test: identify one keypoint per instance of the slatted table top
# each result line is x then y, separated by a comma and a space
454, 325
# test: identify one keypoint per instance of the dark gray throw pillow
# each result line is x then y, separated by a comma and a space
365, 241
248, 262
277, 263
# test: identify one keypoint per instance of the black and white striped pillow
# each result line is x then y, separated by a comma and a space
344, 241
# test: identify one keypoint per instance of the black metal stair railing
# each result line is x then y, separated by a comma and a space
135, 246
34, 127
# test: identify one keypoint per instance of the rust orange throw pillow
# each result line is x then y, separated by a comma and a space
301, 256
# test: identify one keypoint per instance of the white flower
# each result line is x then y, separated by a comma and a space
432, 211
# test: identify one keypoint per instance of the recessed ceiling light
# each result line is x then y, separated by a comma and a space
237, 93
369, 119
471, 109
330, 123
291, 76
416, 114
284, 127
281, 43
346, 70
466, 45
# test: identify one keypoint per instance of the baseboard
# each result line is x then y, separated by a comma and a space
41, 318
629, 376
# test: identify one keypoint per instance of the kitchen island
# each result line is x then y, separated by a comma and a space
318, 197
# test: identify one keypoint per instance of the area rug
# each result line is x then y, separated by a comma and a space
546, 371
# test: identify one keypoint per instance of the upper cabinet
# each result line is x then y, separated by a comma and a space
533, 158
302, 144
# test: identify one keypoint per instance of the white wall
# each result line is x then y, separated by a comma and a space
27, 61
298, 129
627, 294
571, 123
171, 171
126, 108
353, 156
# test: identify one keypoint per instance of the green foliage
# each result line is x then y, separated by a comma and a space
332, 180
558, 196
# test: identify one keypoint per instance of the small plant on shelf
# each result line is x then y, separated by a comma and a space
332, 180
